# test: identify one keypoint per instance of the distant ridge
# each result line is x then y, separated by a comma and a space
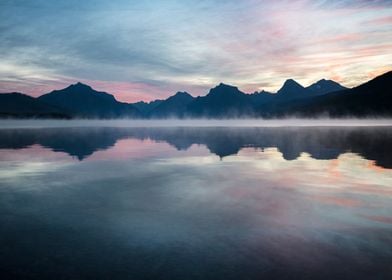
325, 86
81, 100
221, 101
373, 98
174, 106
322, 98
292, 90
19, 105
146, 107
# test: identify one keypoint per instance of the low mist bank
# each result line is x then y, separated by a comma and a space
31, 123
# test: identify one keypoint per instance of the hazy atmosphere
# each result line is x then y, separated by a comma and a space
195, 140
144, 50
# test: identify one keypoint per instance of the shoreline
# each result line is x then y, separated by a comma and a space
35, 123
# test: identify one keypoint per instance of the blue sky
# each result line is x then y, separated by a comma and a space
151, 49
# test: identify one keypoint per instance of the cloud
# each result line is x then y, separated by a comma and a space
140, 49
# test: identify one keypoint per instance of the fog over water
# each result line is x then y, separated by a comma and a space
241, 199
196, 122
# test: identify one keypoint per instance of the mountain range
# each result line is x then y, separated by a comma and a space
323, 98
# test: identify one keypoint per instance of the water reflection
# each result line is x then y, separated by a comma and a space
373, 143
196, 203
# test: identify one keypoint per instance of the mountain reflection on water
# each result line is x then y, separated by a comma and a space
196, 203
372, 143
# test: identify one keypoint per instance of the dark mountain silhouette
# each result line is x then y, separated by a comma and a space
373, 98
23, 106
372, 143
289, 93
221, 101
81, 100
146, 107
174, 106
291, 90
262, 97
324, 97
324, 86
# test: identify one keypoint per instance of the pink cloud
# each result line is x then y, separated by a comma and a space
264, 46
380, 21
381, 219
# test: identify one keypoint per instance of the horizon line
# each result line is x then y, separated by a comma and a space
195, 96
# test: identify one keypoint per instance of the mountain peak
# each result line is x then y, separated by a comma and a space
291, 83
326, 81
182, 93
13, 93
291, 87
83, 101
174, 106
223, 85
180, 96
324, 86
323, 81
80, 85
224, 89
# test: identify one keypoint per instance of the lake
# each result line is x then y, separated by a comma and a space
96, 201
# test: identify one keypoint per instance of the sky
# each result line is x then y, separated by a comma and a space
144, 50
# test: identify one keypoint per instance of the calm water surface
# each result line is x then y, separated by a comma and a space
196, 203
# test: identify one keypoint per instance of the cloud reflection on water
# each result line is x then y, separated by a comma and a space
196, 203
